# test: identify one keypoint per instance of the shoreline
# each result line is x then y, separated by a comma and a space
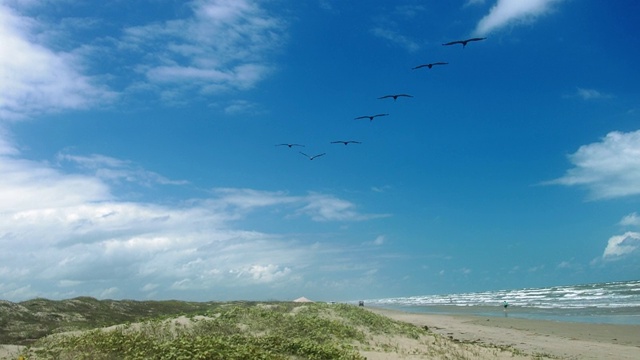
612, 316
566, 340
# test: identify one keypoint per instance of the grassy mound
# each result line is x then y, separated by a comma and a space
233, 331
24, 322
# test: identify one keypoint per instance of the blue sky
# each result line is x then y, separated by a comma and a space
138, 157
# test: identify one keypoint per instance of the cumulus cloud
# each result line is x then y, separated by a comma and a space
609, 168
510, 12
35, 78
621, 245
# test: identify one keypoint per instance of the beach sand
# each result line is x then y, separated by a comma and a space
546, 339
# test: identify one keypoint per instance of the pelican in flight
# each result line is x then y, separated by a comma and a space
289, 145
346, 142
430, 65
370, 117
463, 42
395, 96
311, 157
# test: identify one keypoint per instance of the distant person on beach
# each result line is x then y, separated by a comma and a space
505, 305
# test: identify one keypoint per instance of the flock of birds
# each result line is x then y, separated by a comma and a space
391, 96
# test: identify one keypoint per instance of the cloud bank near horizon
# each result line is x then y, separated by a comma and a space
78, 237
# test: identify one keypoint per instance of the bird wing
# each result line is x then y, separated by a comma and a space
337, 142
453, 43
476, 39
354, 142
440, 63
376, 115
362, 117
304, 154
386, 96
420, 66
405, 95
315, 156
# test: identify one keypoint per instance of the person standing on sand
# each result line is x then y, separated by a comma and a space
505, 305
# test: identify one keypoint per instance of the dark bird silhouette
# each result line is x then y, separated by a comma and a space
430, 65
463, 42
370, 117
311, 157
346, 142
289, 145
395, 97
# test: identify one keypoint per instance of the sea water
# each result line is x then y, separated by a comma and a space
610, 303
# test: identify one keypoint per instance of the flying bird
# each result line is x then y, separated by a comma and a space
430, 65
395, 96
289, 145
370, 117
311, 157
346, 142
463, 42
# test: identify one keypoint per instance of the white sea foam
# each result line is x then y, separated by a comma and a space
601, 295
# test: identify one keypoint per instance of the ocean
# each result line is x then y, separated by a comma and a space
607, 303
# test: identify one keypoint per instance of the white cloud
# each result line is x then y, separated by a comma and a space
34, 78
591, 94
321, 207
608, 169
111, 169
396, 38
474, 2
221, 45
378, 241
410, 11
224, 45
242, 107
630, 220
620, 245
509, 12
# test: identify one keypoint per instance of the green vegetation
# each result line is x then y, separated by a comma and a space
85, 328
24, 322
232, 331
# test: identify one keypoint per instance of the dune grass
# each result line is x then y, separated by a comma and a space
232, 331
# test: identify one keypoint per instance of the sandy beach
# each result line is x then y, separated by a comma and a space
551, 339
